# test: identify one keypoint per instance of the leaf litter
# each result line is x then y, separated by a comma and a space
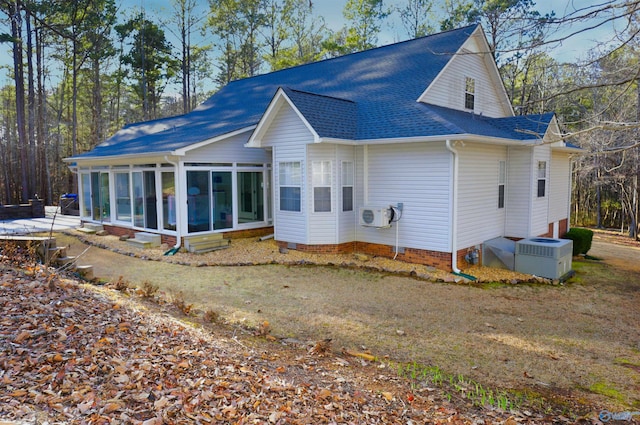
76, 353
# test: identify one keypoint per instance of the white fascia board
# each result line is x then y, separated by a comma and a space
255, 141
431, 139
183, 151
111, 159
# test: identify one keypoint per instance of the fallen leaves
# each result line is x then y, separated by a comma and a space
70, 354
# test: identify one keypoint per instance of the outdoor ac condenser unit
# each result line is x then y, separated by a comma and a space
544, 257
375, 216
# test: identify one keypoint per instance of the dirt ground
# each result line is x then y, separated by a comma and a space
579, 341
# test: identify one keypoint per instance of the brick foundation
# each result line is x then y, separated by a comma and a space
171, 240
440, 260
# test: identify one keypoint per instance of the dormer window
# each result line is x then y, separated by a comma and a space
469, 93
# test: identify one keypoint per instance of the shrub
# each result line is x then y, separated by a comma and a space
581, 240
148, 289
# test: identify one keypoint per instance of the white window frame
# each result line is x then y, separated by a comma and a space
541, 179
469, 93
348, 179
321, 172
502, 183
290, 177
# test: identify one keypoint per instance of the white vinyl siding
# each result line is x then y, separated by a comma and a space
448, 89
540, 205
559, 186
323, 226
229, 151
289, 138
518, 202
479, 217
419, 176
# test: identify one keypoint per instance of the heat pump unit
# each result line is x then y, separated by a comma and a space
544, 257
375, 216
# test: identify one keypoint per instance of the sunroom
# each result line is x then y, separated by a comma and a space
178, 199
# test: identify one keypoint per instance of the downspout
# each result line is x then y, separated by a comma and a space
454, 207
176, 247
454, 215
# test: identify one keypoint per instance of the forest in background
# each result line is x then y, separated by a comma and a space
82, 69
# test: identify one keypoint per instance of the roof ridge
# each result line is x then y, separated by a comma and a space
376, 48
285, 88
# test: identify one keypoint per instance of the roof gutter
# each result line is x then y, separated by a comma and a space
422, 139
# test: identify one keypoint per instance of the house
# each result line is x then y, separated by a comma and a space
410, 150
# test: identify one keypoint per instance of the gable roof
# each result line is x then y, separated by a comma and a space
384, 82
361, 96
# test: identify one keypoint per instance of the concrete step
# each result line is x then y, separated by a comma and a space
90, 228
149, 237
136, 243
86, 272
56, 252
206, 246
144, 240
63, 261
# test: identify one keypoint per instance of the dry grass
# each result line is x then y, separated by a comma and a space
572, 340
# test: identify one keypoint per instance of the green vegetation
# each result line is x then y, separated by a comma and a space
606, 390
470, 390
581, 240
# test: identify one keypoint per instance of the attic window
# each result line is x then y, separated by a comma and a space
469, 93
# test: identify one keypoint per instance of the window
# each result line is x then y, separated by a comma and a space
502, 180
290, 181
469, 93
168, 200
347, 186
198, 201
321, 186
542, 178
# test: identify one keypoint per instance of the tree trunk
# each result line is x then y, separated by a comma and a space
31, 103
16, 33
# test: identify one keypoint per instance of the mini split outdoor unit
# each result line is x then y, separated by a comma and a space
544, 257
375, 216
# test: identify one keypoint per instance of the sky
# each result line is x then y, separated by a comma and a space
331, 10
569, 50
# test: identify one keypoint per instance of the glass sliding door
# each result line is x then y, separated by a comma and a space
222, 192
123, 197
250, 197
100, 196
198, 201
150, 205
85, 183
169, 200
145, 211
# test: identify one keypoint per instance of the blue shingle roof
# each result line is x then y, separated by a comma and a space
329, 116
366, 95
